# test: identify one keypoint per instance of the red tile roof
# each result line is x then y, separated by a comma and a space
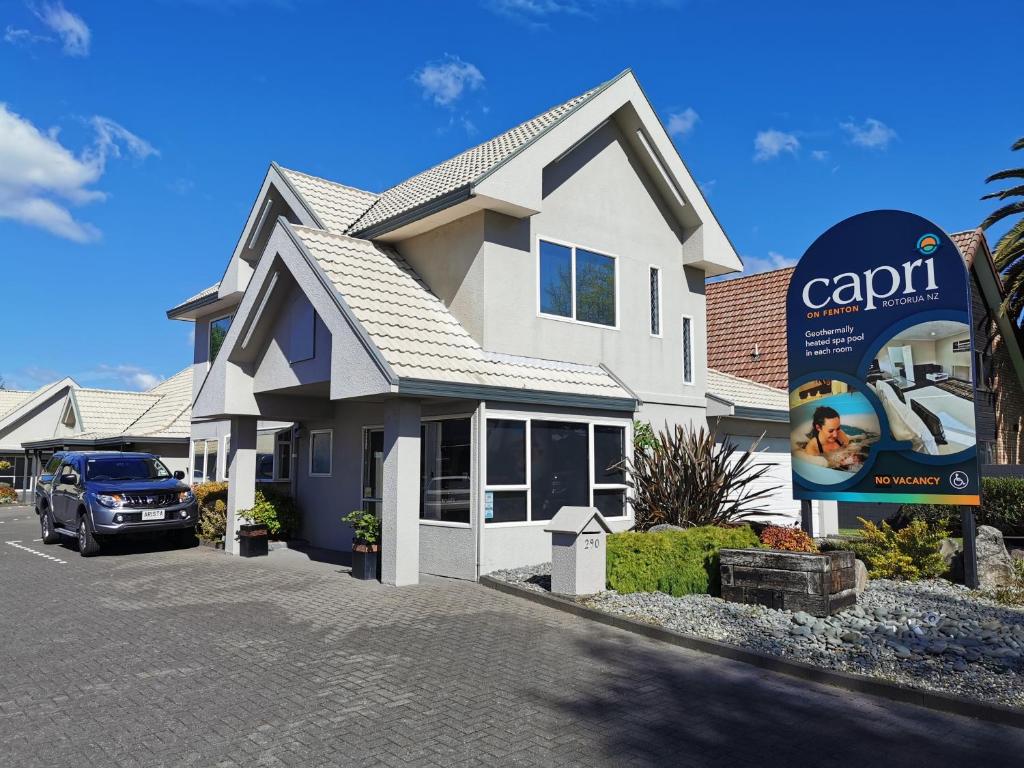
748, 315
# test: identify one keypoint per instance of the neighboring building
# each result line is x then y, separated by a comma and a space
747, 342
465, 352
156, 421
26, 416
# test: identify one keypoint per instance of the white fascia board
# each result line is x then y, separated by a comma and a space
518, 181
719, 406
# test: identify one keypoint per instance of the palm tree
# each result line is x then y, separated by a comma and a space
1009, 252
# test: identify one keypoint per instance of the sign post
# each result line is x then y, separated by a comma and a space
881, 378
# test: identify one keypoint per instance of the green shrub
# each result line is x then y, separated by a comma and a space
1002, 507
1013, 594
910, 553
366, 526
213, 510
674, 562
278, 512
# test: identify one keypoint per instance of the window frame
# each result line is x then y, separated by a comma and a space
330, 453
573, 247
529, 417
660, 302
284, 437
209, 335
686, 341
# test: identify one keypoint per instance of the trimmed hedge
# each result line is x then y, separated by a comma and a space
675, 562
1002, 507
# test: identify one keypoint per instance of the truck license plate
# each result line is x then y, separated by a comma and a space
152, 514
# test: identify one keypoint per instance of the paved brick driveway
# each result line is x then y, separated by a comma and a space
152, 657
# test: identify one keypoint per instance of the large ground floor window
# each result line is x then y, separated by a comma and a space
445, 476
13, 469
536, 466
204, 461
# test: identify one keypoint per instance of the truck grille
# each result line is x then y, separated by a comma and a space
150, 500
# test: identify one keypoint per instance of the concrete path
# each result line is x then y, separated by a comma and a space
152, 656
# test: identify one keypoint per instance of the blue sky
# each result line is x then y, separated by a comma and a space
134, 136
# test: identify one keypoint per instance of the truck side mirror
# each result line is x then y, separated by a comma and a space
69, 478
179, 475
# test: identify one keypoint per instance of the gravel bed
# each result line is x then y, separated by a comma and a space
930, 634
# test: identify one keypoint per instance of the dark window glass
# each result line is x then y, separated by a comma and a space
559, 456
506, 452
284, 460
52, 465
218, 332
610, 503
509, 507
595, 288
445, 470
655, 303
321, 449
126, 469
373, 465
555, 279
609, 450
687, 350
264, 457
199, 461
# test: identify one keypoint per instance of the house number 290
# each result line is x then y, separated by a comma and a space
594, 543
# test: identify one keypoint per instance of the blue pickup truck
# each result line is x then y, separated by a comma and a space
93, 496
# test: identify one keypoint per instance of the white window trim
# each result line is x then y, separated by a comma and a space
682, 349
529, 418
280, 438
223, 468
661, 303
572, 264
209, 335
330, 453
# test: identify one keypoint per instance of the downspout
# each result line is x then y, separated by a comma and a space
480, 483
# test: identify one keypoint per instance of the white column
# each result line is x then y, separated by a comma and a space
400, 510
241, 476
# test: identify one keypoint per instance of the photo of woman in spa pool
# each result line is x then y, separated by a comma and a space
833, 431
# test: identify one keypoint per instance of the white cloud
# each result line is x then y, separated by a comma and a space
119, 377
39, 176
707, 186
872, 133
821, 155
16, 36
72, 30
774, 260
682, 123
445, 81
535, 13
771, 143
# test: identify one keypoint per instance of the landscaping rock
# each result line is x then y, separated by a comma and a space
664, 527
995, 567
860, 576
952, 552
1017, 554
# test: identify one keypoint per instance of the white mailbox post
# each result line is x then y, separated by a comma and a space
578, 559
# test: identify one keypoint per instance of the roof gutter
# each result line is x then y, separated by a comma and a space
425, 388
175, 312
421, 211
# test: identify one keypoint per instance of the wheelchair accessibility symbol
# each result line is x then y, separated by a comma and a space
959, 480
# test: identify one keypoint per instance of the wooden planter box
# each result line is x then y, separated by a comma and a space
820, 583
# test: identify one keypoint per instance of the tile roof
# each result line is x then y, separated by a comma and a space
467, 167
752, 309
163, 411
336, 205
203, 294
746, 393
12, 398
744, 312
417, 335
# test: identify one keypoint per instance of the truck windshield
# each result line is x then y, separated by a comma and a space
135, 468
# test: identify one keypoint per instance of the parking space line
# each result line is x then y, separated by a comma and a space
19, 545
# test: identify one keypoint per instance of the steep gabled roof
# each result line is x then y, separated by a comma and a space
336, 205
748, 398
418, 336
110, 411
11, 399
468, 167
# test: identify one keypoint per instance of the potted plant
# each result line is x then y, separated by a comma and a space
365, 544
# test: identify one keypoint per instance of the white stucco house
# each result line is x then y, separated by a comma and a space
465, 352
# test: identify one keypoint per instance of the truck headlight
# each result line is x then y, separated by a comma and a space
112, 500
185, 497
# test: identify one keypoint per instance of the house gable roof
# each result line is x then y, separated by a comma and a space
27, 401
337, 206
419, 338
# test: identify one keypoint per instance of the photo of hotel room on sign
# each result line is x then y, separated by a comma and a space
923, 377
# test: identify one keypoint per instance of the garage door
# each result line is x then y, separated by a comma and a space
774, 450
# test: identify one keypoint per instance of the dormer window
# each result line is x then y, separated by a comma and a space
577, 284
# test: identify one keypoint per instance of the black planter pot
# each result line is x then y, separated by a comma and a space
253, 540
365, 565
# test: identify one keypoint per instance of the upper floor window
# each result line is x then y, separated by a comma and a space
218, 332
687, 350
655, 301
577, 284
